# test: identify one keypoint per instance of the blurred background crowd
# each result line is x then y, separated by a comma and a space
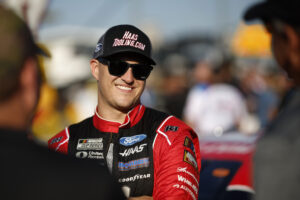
213, 72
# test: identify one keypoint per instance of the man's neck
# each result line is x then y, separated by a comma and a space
112, 114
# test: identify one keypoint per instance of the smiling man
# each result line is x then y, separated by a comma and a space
152, 154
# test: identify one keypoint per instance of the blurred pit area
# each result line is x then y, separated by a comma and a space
215, 73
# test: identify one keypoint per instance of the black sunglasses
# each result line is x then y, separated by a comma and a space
118, 68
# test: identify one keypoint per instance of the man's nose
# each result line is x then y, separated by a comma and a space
128, 76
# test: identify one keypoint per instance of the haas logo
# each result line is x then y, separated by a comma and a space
133, 150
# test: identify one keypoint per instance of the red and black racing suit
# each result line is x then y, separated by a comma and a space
151, 153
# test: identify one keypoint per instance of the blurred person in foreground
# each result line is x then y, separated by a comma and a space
152, 154
29, 171
277, 174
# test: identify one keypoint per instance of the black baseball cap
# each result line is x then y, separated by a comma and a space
124, 39
16, 39
287, 11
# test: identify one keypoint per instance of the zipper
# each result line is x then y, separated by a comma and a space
109, 154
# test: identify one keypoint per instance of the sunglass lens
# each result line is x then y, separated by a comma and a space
117, 68
141, 72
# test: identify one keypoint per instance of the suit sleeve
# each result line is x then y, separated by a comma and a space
60, 141
176, 161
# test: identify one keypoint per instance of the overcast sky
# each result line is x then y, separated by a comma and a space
170, 17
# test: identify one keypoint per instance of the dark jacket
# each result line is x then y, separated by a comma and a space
277, 161
31, 172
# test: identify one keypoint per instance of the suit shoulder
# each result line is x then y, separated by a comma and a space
172, 128
86, 122
155, 115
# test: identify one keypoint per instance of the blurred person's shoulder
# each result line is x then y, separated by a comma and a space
279, 149
38, 173
287, 123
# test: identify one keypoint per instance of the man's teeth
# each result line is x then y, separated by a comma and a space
124, 88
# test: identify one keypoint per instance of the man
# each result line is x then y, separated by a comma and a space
216, 109
149, 152
27, 170
214, 106
277, 158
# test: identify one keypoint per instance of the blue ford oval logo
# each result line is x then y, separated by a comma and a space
98, 47
128, 141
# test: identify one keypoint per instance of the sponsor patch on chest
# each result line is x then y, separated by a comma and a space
133, 150
89, 154
136, 177
131, 140
90, 144
134, 164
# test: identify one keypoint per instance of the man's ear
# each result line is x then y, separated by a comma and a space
293, 42
30, 84
94, 65
293, 38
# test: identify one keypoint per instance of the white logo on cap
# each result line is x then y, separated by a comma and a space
129, 39
98, 47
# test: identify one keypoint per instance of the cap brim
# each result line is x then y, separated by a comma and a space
258, 11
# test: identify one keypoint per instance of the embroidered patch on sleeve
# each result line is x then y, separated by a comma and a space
189, 144
171, 128
190, 159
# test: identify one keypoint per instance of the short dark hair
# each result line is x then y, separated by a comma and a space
17, 45
278, 26
276, 13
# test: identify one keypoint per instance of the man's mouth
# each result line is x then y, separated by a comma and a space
122, 87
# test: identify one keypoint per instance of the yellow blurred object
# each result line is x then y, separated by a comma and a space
251, 41
70, 112
41, 59
49, 119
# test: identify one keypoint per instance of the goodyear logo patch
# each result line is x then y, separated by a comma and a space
134, 164
128, 141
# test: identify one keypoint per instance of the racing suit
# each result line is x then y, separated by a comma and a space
151, 153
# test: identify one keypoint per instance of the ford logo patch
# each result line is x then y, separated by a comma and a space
128, 141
